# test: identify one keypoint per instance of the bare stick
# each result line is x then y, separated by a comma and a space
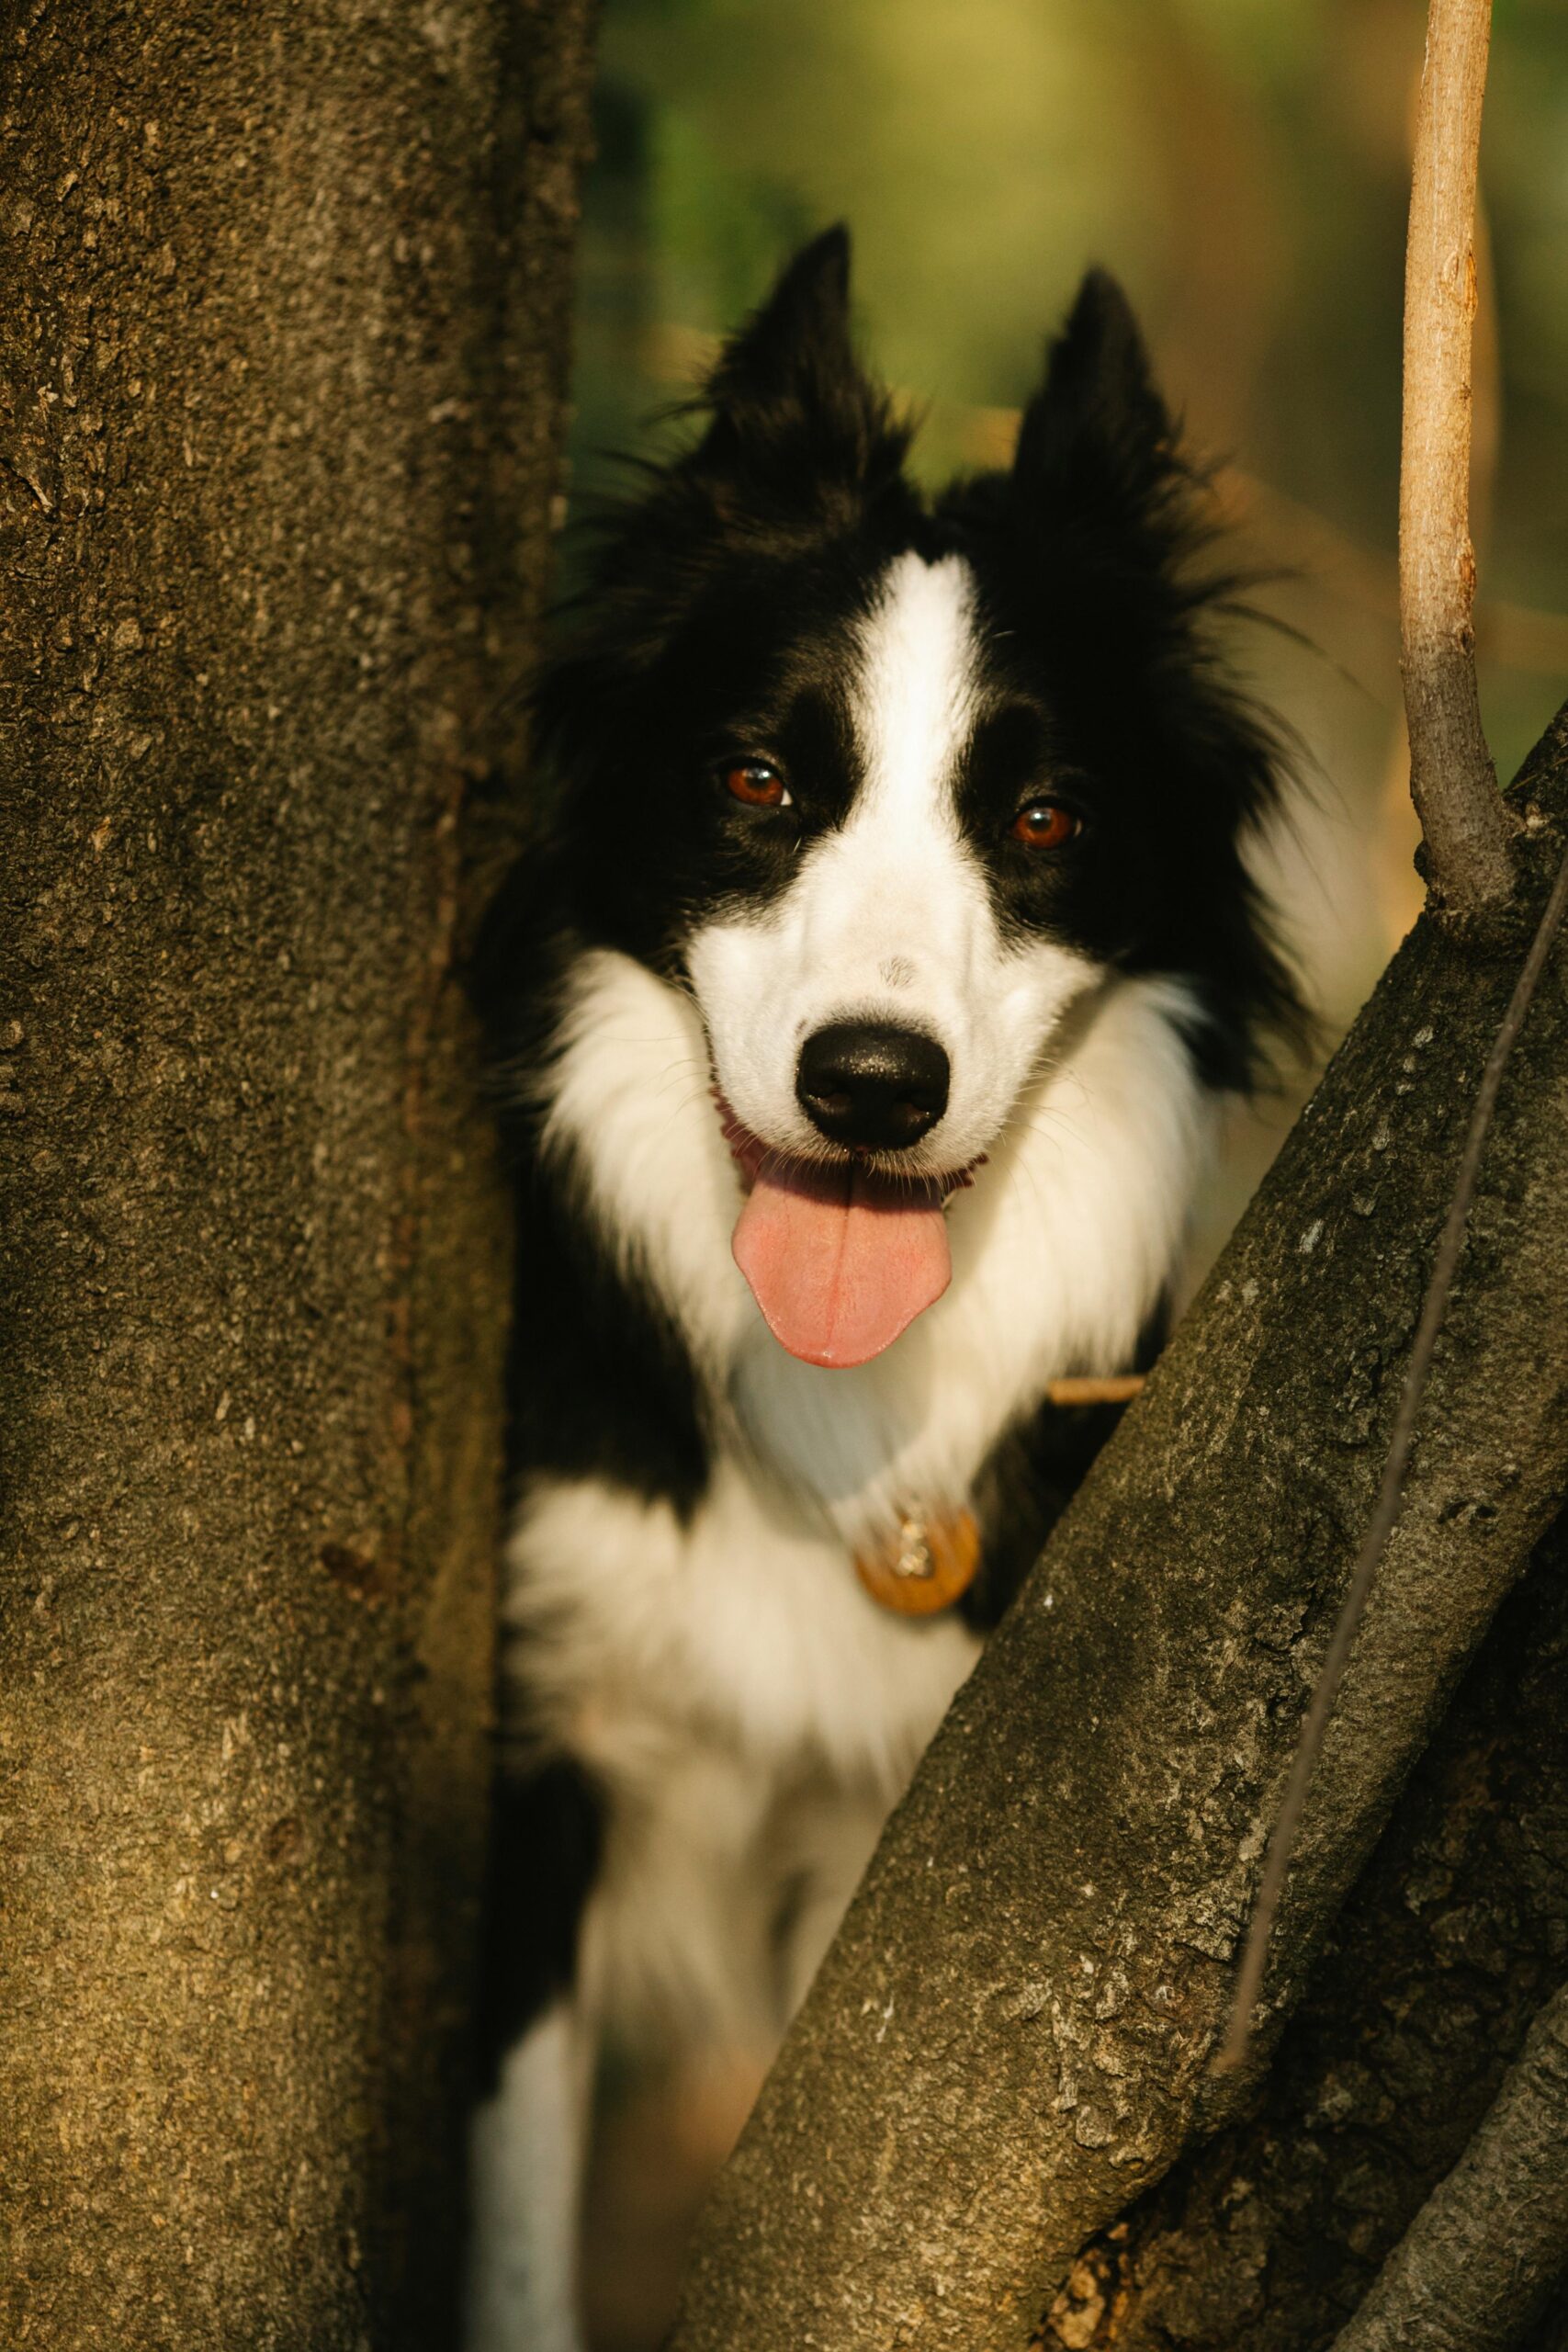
1114, 1388
1473, 2271
1466, 826
1249, 1976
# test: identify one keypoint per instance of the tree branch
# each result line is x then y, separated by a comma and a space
1249, 1976
1264, 2237
1475, 2268
1115, 1388
1463, 819
1458, 789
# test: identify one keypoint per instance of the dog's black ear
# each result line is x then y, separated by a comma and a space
795, 346
1097, 436
792, 414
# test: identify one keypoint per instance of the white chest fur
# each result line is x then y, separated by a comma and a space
750, 1618
746, 1626
1060, 1249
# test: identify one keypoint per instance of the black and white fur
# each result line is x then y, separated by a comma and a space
708, 1718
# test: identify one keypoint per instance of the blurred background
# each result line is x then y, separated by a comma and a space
1243, 166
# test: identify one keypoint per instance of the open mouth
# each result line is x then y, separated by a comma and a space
840, 1255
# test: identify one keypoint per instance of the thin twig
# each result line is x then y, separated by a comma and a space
1114, 1388
1249, 1976
1474, 2271
1463, 819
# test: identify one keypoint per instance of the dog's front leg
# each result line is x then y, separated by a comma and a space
526, 2155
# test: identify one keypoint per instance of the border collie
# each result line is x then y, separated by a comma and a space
865, 1003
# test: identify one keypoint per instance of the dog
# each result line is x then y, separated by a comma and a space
865, 1006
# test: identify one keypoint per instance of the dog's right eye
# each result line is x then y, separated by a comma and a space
756, 783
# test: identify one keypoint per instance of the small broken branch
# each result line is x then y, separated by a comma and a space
1474, 2269
1463, 817
1116, 1388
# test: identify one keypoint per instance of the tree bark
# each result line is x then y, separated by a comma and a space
1009, 2039
283, 314
1446, 1261
1475, 2268
1268, 2237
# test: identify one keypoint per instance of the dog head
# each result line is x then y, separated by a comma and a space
889, 788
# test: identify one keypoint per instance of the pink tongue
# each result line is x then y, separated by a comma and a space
841, 1263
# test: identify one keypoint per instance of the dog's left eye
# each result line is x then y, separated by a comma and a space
1045, 824
756, 783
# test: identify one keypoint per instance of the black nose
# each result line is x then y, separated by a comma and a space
880, 1089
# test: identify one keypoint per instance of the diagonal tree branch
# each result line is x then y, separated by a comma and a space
1474, 2269
1463, 819
1450, 1249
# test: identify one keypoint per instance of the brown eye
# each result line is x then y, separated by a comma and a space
1045, 824
758, 784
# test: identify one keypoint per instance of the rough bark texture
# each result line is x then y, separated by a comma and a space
1269, 2235
282, 313
1008, 2039
1476, 2264
1463, 820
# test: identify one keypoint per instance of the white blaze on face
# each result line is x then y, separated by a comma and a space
889, 919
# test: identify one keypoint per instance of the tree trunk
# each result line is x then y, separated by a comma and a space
283, 314
1010, 2038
